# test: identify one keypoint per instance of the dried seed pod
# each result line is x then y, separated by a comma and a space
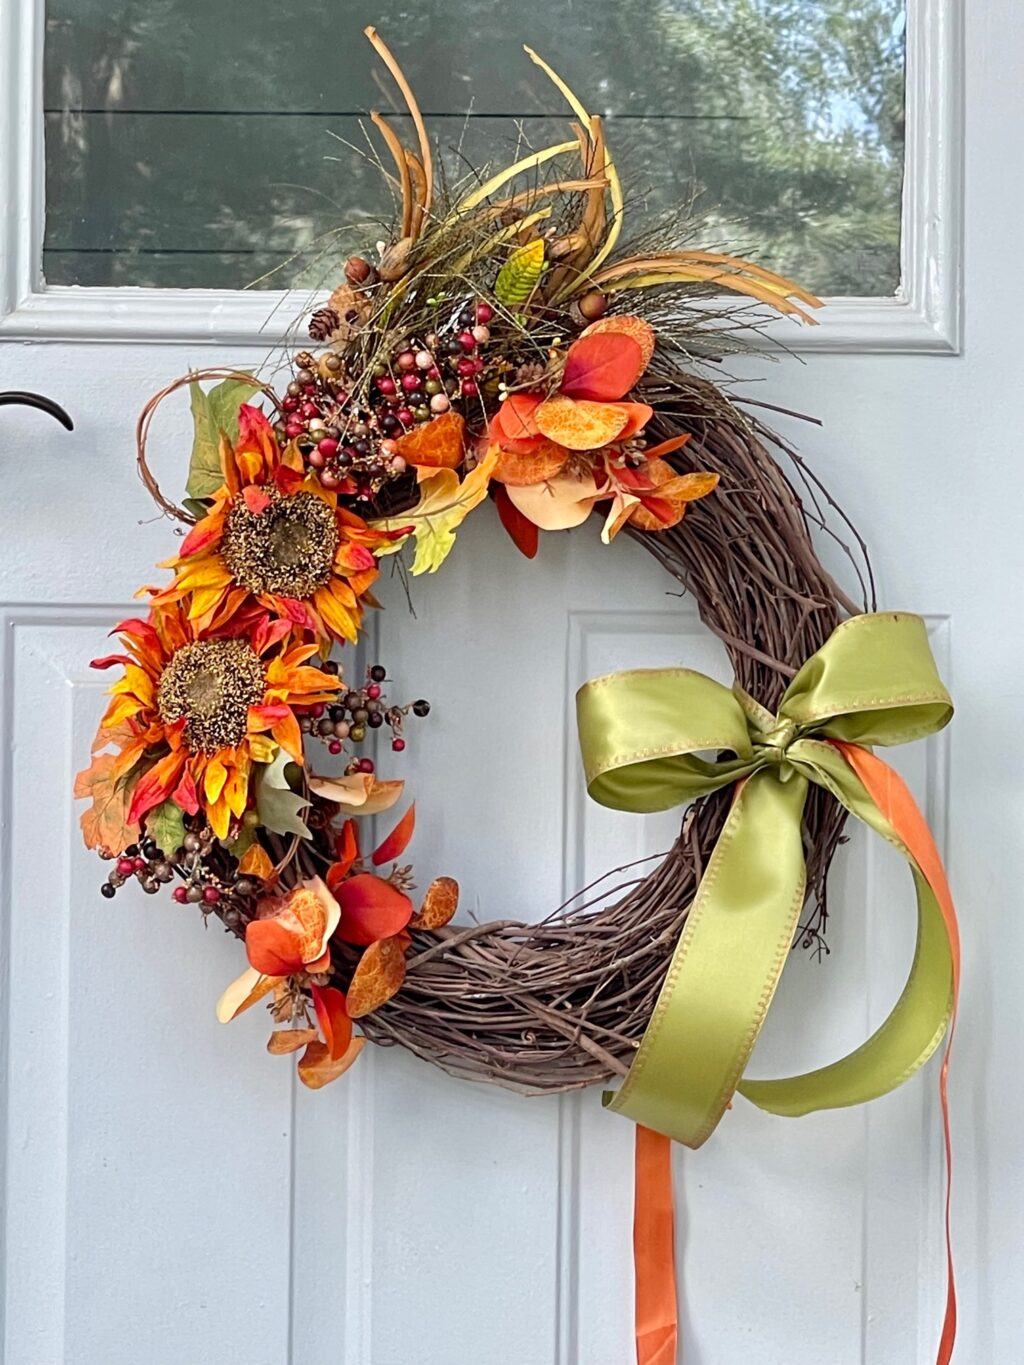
394, 261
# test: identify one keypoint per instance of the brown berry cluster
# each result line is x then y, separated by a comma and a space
355, 713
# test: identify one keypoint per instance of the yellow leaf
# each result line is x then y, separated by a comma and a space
358, 794
444, 505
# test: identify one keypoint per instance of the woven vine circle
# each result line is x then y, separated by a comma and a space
562, 1003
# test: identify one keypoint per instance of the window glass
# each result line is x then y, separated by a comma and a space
192, 143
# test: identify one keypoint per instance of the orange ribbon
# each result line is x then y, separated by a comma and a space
657, 1318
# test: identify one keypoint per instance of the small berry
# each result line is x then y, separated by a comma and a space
386, 384
467, 341
210, 895
421, 707
481, 334
139, 864
328, 446
398, 745
405, 416
179, 894
365, 765
334, 747
424, 360
439, 403
484, 312
378, 673
125, 867
407, 361
469, 388
107, 890
373, 691
411, 382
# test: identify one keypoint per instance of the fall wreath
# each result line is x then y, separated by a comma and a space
506, 344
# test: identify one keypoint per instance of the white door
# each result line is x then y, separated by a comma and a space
170, 1196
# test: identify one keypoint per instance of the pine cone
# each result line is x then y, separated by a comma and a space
323, 322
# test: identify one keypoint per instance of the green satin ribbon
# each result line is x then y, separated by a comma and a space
655, 738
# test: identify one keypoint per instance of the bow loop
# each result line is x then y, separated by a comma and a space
654, 738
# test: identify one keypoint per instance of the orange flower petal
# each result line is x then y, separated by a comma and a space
439, 904
334, 1020
285, 1040
244, 991
523, 532
317, 1068
379, 974
558, 505
602, 367
580, 425
539, 464
371, 908
255, 862
640, 331
438, 444
637, 416
516, 417
666, 507
397, 841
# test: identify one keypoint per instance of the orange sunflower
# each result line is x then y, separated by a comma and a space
207, 710
275, 540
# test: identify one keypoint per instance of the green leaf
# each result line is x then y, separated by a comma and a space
166, 827
276, 804
519, 276
242, 842
196, 506
213, 411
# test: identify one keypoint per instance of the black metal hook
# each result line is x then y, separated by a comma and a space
38, 400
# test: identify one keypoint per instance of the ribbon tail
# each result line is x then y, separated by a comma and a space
926, 1011
657, 1313
891, 795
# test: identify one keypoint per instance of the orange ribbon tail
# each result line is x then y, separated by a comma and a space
893, 798
654, 1257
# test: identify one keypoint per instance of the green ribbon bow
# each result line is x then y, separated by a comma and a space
642, 733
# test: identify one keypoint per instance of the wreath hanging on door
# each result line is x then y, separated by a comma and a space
507, 344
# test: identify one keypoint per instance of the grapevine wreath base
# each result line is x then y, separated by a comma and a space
503, 345
562, 1004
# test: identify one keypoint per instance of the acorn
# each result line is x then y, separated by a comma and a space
593, 305
359, 271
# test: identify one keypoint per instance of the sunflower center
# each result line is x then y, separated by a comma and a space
287, 549
212, 683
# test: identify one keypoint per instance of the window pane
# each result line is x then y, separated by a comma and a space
220, 144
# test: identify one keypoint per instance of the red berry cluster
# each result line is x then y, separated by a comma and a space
350, 442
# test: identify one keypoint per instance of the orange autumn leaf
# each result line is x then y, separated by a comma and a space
371, 908
397, 841
543, 462
333, 1017
666, 507
294, 938
255, 862
602, 367
439, 904
628, 325
318, 1068
516, 418
285, 1040
580, 424
438, 444
378, 976
105, 823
